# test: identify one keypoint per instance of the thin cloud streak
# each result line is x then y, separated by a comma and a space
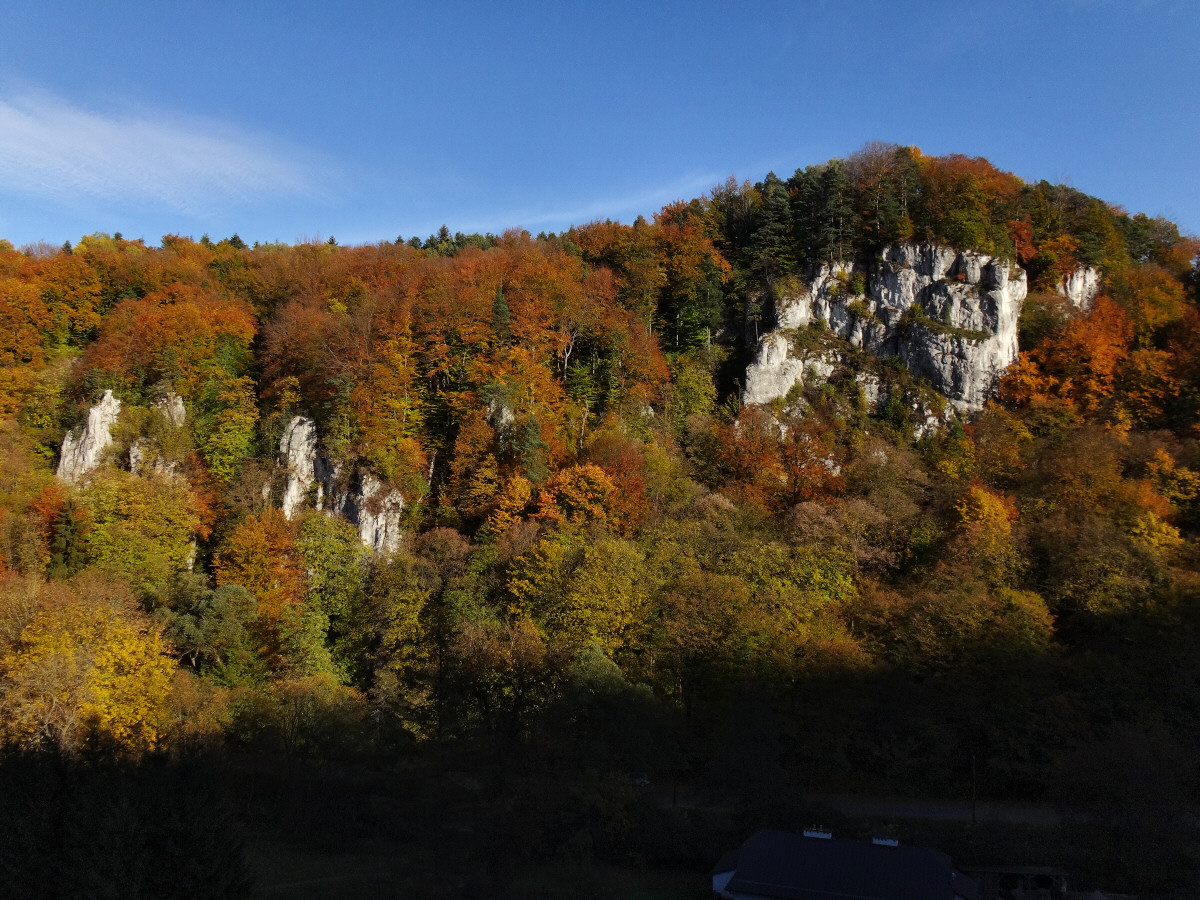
53, 150
643, 203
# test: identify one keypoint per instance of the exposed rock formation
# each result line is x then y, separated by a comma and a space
361, 500
83, 448
137, 457
872, 390
299, 456
773, 371
171, 406
378, 515
1080, 287
950, 316
499, 416
160, 466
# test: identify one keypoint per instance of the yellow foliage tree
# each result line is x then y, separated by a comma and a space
578, 495
985, 533
142, 525
389, 407
608, 600
1177, 483
88, 669
1148, 386
513, 501
582, 596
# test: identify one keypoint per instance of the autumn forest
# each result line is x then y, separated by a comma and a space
620, 615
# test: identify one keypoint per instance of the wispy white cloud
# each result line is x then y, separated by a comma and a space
621, 206
52, 149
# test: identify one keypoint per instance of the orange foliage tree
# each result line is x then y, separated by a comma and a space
780, 464
966, 201
261, 556
1156, 301
180, 335
1080, 364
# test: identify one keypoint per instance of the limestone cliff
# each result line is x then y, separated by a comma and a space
143, 456
171, 407
377, 512
950, 316
1080, 287
361, 499
302, 464
83, 448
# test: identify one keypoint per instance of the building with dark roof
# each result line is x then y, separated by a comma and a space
814, 866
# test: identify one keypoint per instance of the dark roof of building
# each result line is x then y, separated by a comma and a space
726, 863
1015, 870
790, 867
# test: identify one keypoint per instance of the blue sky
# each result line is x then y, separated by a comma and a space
290, 121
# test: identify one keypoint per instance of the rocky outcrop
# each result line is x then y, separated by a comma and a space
377, 514
300, 458
365, 502
499, 415
158, 465
1080, 287
774, 371
872, 390
83, 448
361, 499
171, 407
950, 316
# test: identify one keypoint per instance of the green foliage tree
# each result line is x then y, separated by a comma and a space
68, 549
823, 211
209, 627
303, 629
224, 424
142, 526
336, 563
772, 247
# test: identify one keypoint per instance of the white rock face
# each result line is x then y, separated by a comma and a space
773, 371
872, 389
162, 467
950, 316
1080, 287
171, 406
298, 455
378, 515
83, 448
499, 416
927, 420
368, 505
137, 457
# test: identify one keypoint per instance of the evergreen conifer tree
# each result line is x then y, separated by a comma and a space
501, 317
68, 553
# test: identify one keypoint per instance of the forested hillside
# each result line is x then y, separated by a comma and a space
610, 565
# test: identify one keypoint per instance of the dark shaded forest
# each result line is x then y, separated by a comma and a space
630, 617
